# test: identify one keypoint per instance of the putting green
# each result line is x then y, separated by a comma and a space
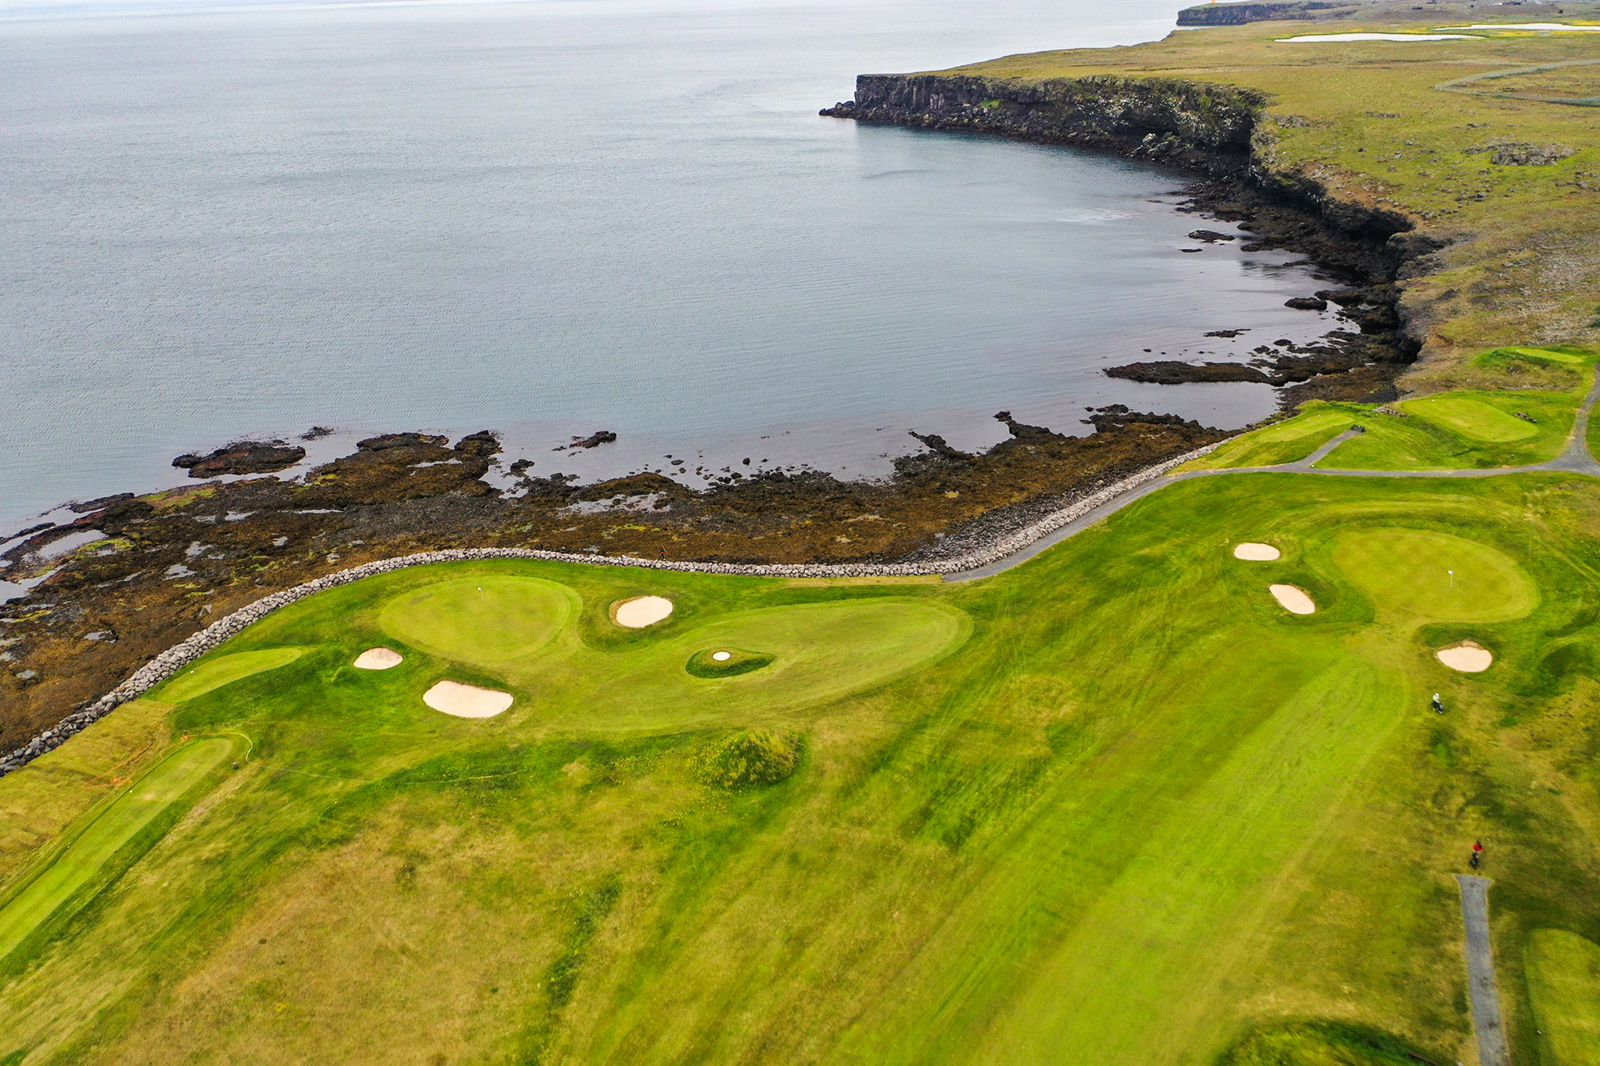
1409, 573
1471, 418
1564, 984
224, 670
83, 858
480, 619
819, 652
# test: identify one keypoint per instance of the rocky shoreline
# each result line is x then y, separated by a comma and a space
955, 556
1218, 131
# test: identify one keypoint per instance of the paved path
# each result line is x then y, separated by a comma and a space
1480, 972
1575, 458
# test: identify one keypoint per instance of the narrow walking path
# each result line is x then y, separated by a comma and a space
1485, 990
1575, 458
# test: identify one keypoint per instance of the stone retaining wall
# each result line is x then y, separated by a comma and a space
185, 652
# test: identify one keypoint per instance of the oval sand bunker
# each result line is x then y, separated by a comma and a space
1467, 657
378, 659
642, 611
1292, 599
466, 701
722, 656
1255, 553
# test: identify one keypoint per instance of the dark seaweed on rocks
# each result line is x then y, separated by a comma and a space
243, 457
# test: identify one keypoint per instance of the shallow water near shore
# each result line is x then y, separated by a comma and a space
551, 218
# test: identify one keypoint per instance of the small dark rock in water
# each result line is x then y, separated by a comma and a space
1173, 372
481, 443
1228, 332
316, 433
1306, 303
385, 441
520, 465
1343, 297
1189, 249
594, 440
1211, 236
1021, 430
243, 457
939, 446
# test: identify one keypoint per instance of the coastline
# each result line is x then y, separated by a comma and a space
997, 547
218, 541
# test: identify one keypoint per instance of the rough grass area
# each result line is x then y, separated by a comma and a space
1112, 807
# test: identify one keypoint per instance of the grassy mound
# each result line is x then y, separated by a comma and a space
221, 670
751, 760
701, 663
1322, 1044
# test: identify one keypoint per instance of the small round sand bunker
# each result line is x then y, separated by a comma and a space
722, 656
466, 701
641, 611
1468, 657
1252, 551
378, 659
1292, 599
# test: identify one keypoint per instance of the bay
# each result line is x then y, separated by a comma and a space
547, 218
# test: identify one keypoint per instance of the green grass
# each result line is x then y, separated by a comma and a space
1288, 441
81, 858
487, 621
1472, 418
702, 663
1113, 807
1564, 984
1429, 576
1460, 431
221, 670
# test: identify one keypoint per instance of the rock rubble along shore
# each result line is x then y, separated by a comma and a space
999, 544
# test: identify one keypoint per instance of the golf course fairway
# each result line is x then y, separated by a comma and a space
82, 859
1113, 806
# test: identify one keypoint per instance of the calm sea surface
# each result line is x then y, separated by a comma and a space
550, 218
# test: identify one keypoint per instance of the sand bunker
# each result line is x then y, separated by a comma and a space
1338, 38
641, 611
1293, 600
1255, 553
466, 701
378, 659
1468, 657
722, 656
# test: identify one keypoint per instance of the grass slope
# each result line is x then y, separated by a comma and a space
1112, 806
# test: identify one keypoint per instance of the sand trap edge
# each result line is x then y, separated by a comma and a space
466, 701
378, 659
1467, 657
641, 611
1293, 599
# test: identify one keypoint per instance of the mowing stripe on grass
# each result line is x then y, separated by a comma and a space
82, 859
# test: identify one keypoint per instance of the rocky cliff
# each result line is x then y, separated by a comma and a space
1237, 14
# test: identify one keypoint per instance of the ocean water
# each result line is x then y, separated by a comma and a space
548, 218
